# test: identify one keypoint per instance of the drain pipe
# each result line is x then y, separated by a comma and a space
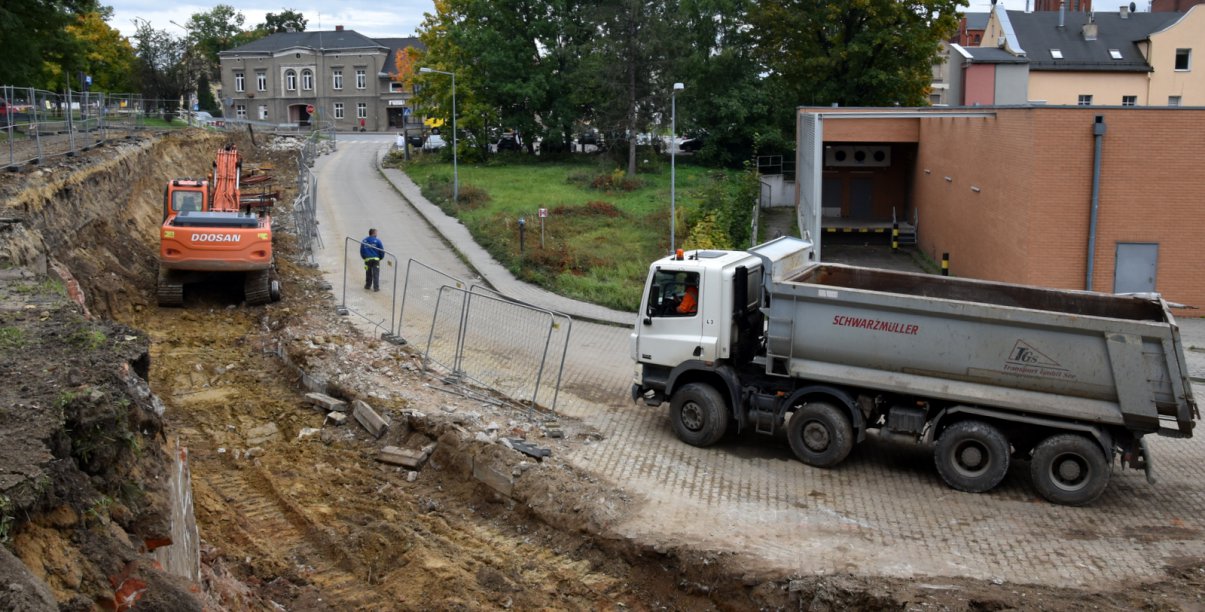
1098, 131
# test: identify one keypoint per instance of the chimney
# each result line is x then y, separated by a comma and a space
1062, 14
338, 28
1090, 28
1125, 12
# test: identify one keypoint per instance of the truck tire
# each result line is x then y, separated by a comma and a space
699, 414
1069, 469
820, 434
972, 456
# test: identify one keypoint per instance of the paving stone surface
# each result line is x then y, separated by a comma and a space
884, 511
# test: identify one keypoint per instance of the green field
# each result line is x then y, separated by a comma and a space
601, 232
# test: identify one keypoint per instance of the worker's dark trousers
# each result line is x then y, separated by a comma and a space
372, 274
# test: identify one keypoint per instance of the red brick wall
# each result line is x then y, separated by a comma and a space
1029, 221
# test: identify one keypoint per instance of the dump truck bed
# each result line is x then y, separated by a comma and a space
1091, 357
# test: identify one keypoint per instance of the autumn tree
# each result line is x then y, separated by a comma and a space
105, 54
34, 41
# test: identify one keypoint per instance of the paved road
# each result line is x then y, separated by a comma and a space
884, 511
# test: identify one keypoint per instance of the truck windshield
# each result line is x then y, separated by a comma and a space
186, 201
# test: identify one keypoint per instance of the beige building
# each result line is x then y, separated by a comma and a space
340, 78
1118, 58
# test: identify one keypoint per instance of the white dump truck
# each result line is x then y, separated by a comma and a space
983, 371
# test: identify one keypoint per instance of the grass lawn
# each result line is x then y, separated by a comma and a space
601, 231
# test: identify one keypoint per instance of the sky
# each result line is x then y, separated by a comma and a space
374, 19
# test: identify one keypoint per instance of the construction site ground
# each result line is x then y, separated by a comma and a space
297, 512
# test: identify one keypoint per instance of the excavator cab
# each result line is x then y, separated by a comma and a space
184, 196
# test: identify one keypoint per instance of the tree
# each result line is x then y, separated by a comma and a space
632, 53
34, 42
160, 64
105, 54
213, 32
852, 52
285, 21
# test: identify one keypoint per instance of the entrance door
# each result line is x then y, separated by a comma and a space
860, 205
1136, 265
830, 197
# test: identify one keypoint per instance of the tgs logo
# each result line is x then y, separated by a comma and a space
215, 237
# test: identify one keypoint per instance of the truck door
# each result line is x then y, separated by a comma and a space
671, 330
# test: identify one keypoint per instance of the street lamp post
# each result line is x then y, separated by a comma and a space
673, 149
455, 174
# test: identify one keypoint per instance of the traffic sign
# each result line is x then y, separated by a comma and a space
543, 212
406, 111
309, 108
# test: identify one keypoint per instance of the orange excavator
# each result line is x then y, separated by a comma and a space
210, 226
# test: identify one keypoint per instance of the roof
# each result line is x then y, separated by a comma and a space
325, 40
976, 21
1038, 33
395, 45
992, 55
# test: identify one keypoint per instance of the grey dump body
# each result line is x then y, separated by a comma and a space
1108, 360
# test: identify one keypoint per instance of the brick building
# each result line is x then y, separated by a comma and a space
1008, 191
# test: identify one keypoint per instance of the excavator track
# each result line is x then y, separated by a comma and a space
170, 289
257, 287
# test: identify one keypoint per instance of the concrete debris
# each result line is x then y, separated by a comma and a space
262, 434
484, 437
404, 457
411, 476
307, 432
501, 482
527, 448
325, 403
337, 419
374, 423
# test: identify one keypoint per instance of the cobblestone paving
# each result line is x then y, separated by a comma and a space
885, 511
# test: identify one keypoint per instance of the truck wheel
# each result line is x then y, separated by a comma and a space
972, 456
1069, 469
820, 434
699, 414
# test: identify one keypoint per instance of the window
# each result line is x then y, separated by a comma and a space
240, 111
1129, 100
337, 79
261, 81
673, 294
395, 87
263, 112
1056, 53
290, 80
1173, 100
307, 80
361, 78
361, 111
1085, 100
338, 110
1115, 53
240, 81
1183, 59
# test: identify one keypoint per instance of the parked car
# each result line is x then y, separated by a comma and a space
508, 142
202, 118
691, 145
434, 142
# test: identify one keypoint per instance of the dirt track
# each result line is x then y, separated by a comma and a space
311, 520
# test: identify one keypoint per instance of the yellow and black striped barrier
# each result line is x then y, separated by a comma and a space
895, 236
945, 264
856, 230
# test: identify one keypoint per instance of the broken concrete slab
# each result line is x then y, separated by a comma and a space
336, 418
263, 434
369, 419
325, 403
488, 475
404, 457
529, 449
